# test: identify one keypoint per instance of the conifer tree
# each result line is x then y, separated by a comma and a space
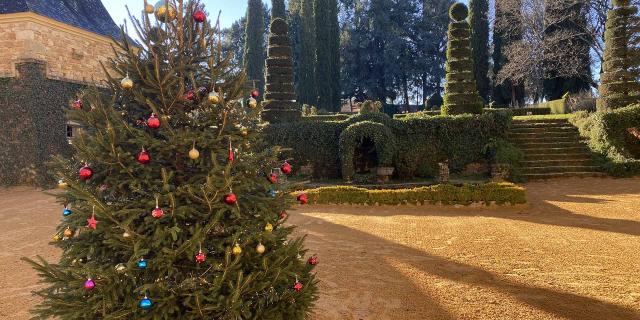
506, 93
278, 9
620, 86
254, 48
170, 211
327, 54
306, 89
479, 21
461, 94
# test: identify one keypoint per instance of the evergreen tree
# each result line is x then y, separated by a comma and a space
506, 93
254, 48
479, 20
306, 89
169, 214
327, 53
278, 9
620, 86
565, 35
461, 94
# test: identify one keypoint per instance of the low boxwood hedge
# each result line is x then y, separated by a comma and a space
421, 142
448, 194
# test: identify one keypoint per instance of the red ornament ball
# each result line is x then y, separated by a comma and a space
297, 286
201, 257
286, 168
283, 215
89, 284
230, 199
255, 94
190, 95
157, 213
144, 157
303, 199
199, 16
77, 105
273, 178
153, 122
85, 173
231, 155
313, 261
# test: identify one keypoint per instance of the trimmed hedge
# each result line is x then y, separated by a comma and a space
498, 193
329, 117
421, 141
608, 136
352, 136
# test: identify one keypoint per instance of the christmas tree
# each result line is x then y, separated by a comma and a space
170, 209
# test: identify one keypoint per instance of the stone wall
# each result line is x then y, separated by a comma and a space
32, 123
71, 53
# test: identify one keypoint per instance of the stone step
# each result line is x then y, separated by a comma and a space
576, 156
555, 151
552, 134
545, 176
550, 145
559, 169
539, 124
556, 163
534, 121
543, 130
543, 138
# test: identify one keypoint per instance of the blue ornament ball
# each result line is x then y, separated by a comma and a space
142, 264
272, 193
66, 212
146, 304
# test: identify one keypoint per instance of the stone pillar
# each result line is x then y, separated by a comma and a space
280, 99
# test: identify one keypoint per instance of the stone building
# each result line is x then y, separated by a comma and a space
49, 51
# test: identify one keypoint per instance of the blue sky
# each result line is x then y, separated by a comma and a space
232, 10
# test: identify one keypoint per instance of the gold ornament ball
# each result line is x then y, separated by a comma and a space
126, 83
62, 185
214, 98
68, 233
165, 11
149, 9
203, 42
268, 227
194, 154
56, 237
126, 235
237, 250
121, 268
253, 103
260, 249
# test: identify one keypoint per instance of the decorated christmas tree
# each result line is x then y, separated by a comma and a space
169, 211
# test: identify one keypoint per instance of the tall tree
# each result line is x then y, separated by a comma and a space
278, 9
433, 30
233, 43
306, 59
567, 34
479, 20
254, 48
506, 31
327, 53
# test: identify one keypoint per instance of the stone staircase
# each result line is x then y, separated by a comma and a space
552, 149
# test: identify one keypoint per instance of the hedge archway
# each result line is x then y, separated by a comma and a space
353, 135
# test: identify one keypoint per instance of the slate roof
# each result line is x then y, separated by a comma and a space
89, 15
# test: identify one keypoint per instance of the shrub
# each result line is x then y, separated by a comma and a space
621, 65
498, 193
609, 136
370, 107
461, 93
354, 134
421, 140
435, 101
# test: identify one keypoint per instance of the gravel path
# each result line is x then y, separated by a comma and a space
573, 254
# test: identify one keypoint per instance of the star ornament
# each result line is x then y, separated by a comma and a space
92, 222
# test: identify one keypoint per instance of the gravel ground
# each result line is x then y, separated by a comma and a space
572, 254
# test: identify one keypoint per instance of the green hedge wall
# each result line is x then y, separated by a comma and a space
498, 193
608, 136
421, 141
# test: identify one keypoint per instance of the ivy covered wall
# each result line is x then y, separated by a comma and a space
32, 123
417, 144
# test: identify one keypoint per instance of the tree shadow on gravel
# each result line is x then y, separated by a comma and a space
562, 304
